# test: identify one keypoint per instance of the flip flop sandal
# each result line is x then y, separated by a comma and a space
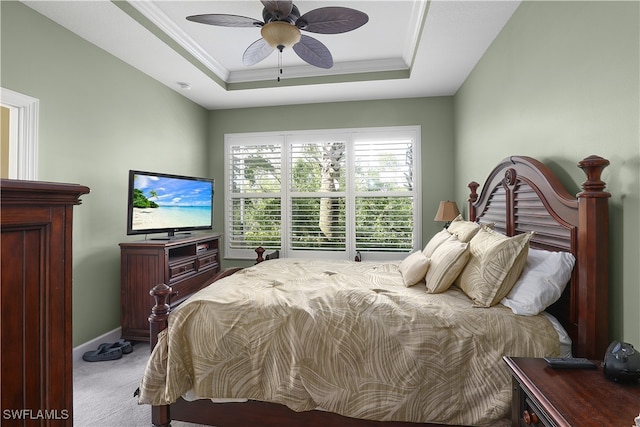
102, 353
125, 346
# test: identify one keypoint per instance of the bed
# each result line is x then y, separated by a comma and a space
452, 373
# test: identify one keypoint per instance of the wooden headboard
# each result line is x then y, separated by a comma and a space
521, 194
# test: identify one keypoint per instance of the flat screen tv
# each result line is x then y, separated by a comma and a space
164, 203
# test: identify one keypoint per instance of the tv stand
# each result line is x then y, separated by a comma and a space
172, 237
187, 263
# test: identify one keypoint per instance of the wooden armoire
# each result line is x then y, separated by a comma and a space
36, 363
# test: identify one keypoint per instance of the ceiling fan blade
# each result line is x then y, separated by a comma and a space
332, 20
313, 52
223, 20
256, 52
278, 9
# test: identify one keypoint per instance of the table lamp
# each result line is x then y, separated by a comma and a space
447, 212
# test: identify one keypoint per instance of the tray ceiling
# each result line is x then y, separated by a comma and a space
409, 48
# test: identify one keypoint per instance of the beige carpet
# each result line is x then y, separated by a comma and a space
103, 392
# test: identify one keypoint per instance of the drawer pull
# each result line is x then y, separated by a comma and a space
530, 418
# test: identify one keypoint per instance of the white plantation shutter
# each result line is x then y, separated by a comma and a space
324, 193
306, 234
384, 193
317, 193
253, 195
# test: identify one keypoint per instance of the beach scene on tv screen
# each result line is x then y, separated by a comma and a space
162, 202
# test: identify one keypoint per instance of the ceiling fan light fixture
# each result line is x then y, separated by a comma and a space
281, 29
280, 33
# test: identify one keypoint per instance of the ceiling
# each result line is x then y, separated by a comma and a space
409, 48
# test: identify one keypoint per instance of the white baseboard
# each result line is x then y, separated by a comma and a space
111, 336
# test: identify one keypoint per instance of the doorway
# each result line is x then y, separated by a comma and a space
19, 135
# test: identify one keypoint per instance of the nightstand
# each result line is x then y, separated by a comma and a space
543, 396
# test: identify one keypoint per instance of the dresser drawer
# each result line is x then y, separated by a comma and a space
183, 289
207, 261
179, 270
533, 415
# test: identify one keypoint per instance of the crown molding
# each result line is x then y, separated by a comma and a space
307, 71
166, 25
232, 80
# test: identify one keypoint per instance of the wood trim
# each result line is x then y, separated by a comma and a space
254, 413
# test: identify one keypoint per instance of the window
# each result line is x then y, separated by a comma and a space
323, 193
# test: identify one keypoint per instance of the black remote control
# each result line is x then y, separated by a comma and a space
570, 363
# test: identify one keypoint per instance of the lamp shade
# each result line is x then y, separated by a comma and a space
447, 211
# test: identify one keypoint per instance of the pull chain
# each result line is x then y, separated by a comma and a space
280, 47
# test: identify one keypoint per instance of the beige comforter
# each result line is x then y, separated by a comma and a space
347, 337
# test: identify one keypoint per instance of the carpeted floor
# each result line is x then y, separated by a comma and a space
103, 392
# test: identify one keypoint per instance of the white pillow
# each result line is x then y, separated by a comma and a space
563, 335
541, 283
413, 268
435, 241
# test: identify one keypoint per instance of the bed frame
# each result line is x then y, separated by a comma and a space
521, 194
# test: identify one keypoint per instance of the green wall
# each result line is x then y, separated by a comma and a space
561, 82
433, 114
99, 117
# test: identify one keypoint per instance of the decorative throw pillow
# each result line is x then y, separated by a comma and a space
463, 230
413, 268
543, 280
495, 263
435, 241
446, 263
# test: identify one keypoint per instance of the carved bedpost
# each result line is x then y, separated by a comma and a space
593, 212
473, 197
160, 416
159, 312
259, 250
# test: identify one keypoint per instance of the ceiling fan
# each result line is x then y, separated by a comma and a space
281, 29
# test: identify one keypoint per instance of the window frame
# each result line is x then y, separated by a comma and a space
351, 136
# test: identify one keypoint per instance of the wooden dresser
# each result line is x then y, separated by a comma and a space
186, 264
543, 396
36, 361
